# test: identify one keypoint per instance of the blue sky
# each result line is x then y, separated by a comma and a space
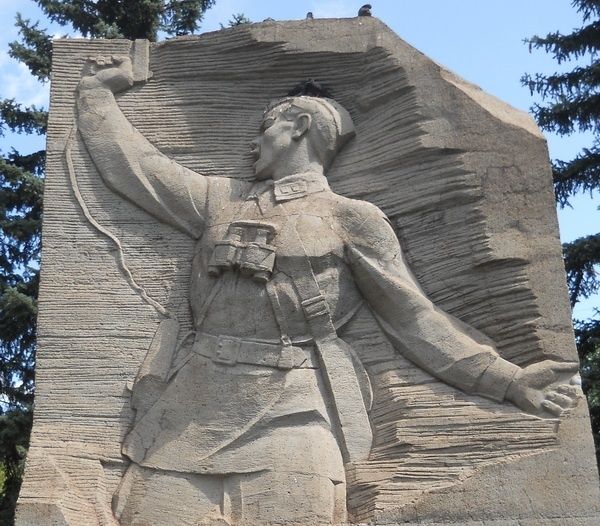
482, 41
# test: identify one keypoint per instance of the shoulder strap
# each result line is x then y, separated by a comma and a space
336, 357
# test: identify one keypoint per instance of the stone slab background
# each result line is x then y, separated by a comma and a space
465, 180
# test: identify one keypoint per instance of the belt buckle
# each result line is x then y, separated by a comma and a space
286, 358
227, 351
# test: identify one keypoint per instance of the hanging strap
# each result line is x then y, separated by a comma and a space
287, 351
336, 357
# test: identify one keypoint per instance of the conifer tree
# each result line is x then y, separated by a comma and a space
572, 104
21, 184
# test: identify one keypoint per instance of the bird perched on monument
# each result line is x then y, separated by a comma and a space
365, 10
310, 88
309, 15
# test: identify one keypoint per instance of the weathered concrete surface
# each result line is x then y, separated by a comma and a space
465, 181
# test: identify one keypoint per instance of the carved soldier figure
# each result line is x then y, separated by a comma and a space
264, 405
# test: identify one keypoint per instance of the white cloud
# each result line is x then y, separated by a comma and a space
67, 34
18, 83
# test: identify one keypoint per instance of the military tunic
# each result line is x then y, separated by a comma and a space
355, 255
222, 413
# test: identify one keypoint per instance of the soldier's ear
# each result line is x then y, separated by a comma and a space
301, 125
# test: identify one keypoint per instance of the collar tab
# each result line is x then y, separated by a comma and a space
299, 185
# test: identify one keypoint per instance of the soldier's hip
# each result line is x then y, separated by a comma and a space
225, 399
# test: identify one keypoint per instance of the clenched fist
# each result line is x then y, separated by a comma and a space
114, 73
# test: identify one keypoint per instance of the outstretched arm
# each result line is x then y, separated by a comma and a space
126, 160
437, 342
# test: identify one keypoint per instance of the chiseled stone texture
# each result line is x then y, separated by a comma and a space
466, 184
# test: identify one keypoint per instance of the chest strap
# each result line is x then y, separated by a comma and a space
337, 359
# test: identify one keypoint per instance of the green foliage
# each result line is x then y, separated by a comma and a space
127, 18
588, 345
582, 257
14, 440
22, 120
34, 50
237, 19
20, 222
21, 183
580, 174
21, 186
572, 104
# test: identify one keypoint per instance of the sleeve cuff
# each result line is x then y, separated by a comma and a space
496, 379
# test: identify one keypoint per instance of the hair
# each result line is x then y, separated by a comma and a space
331, 126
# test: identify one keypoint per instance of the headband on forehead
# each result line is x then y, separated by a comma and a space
337, 114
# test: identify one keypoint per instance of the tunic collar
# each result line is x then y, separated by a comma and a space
292, 186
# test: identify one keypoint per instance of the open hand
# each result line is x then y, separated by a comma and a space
112, 72
546, 387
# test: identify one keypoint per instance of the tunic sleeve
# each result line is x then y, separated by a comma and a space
134, 168
434, 340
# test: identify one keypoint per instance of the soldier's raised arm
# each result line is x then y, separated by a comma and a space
127, 161
434, 340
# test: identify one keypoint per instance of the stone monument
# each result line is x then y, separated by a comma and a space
271, 300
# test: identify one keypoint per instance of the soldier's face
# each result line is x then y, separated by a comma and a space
272, 146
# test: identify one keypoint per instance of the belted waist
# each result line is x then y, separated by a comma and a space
228, 350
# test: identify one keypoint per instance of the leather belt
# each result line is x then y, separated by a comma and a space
227, 350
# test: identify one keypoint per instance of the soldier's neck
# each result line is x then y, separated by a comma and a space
291, 169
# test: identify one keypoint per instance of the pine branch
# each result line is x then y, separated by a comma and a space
32, 162
587, 335
580, 81
107, 18
183, 17
20, 119
587, 8
581, 257
573, 100
35, 50
569, 114
85, 16
568, 47
18, 311
81, 14
20, 216
132, 19
14, 440
581, 174
237, 19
